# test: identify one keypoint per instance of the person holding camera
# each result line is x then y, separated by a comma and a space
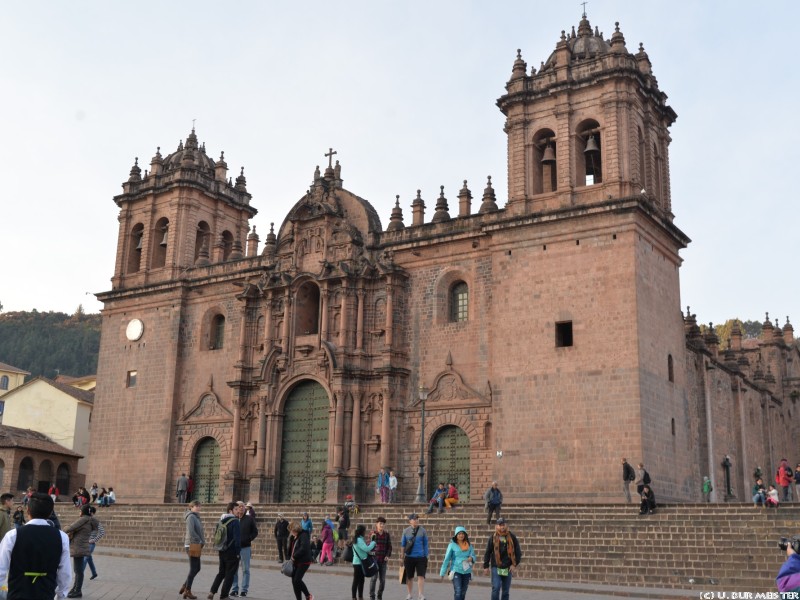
788, 579
648, 505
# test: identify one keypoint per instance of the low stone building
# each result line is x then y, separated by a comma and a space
31, 459
533, 342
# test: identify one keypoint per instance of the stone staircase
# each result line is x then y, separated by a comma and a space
730, 547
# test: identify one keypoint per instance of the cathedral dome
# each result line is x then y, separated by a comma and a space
585, 44
190, 154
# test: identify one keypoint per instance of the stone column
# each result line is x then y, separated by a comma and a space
324, 310
355, 436
386, 430
343, 317
268, 322
389, 313
338, 432
360, 319
261, 454
233, 469
285, 328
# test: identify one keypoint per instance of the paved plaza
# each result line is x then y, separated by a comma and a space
127, 574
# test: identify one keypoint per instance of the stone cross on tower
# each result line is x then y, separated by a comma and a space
330, 154
584, 8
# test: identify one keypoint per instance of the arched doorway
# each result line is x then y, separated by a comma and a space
62, 479
25, 478
45, 476
304, 447
450, 460
206, 470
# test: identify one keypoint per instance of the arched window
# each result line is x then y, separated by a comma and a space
307, 309
544, 162
135, 248
25, 477
459, 302
4, 382
217, 332
226, 240
589, 154
203, 231
670, 368
160, 239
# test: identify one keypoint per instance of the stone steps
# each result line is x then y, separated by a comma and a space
726, 547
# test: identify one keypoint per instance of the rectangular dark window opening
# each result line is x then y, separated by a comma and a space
564, 334
131, 382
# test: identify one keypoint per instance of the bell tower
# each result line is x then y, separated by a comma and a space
184, 212
589, 126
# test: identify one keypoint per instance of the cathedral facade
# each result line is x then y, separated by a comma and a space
533, 341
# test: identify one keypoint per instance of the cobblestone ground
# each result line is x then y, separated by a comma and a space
133, 577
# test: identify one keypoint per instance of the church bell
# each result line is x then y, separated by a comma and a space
139, 243
591, 145
549, 155
164, 239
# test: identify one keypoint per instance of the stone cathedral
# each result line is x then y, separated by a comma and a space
521, 340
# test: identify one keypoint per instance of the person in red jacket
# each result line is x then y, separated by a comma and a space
784, 478
452, 496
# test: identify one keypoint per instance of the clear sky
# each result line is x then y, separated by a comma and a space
405, 92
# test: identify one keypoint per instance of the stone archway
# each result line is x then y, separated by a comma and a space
206, 471
304, 444
450, 450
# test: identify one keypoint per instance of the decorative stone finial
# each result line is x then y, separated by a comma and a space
396, 219
442, 213
489, 203
241, 182
136, 172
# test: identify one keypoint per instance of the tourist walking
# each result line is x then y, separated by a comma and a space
95, 537
81, 531
193, 541
784, 478
415, 560
281, 534
493, 500
37, 548
503, 555
361, 551
300, 554
228, 551
343, 527
458, 560
628, 475
383, 550
306, 523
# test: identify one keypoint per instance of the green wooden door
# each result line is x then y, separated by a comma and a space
304, 448
206, 471
450, 460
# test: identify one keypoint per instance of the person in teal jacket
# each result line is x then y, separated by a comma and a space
360, 551
459, 558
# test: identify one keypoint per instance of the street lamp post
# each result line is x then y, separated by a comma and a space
421, 497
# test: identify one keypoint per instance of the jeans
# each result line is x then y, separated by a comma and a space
492, 508
283, 552
378, 578
460, 585
626, 487
384, 494
87, 560
194, 569
181, 496
759, 499
500, 583
228, 565
244, 561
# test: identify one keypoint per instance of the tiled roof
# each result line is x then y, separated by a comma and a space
76, 393
15, 437
10, 369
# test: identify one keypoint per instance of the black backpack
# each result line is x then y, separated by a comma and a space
646, 478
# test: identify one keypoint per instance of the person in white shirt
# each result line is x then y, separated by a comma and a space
41, 566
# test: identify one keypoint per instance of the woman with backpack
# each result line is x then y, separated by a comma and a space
326, 537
